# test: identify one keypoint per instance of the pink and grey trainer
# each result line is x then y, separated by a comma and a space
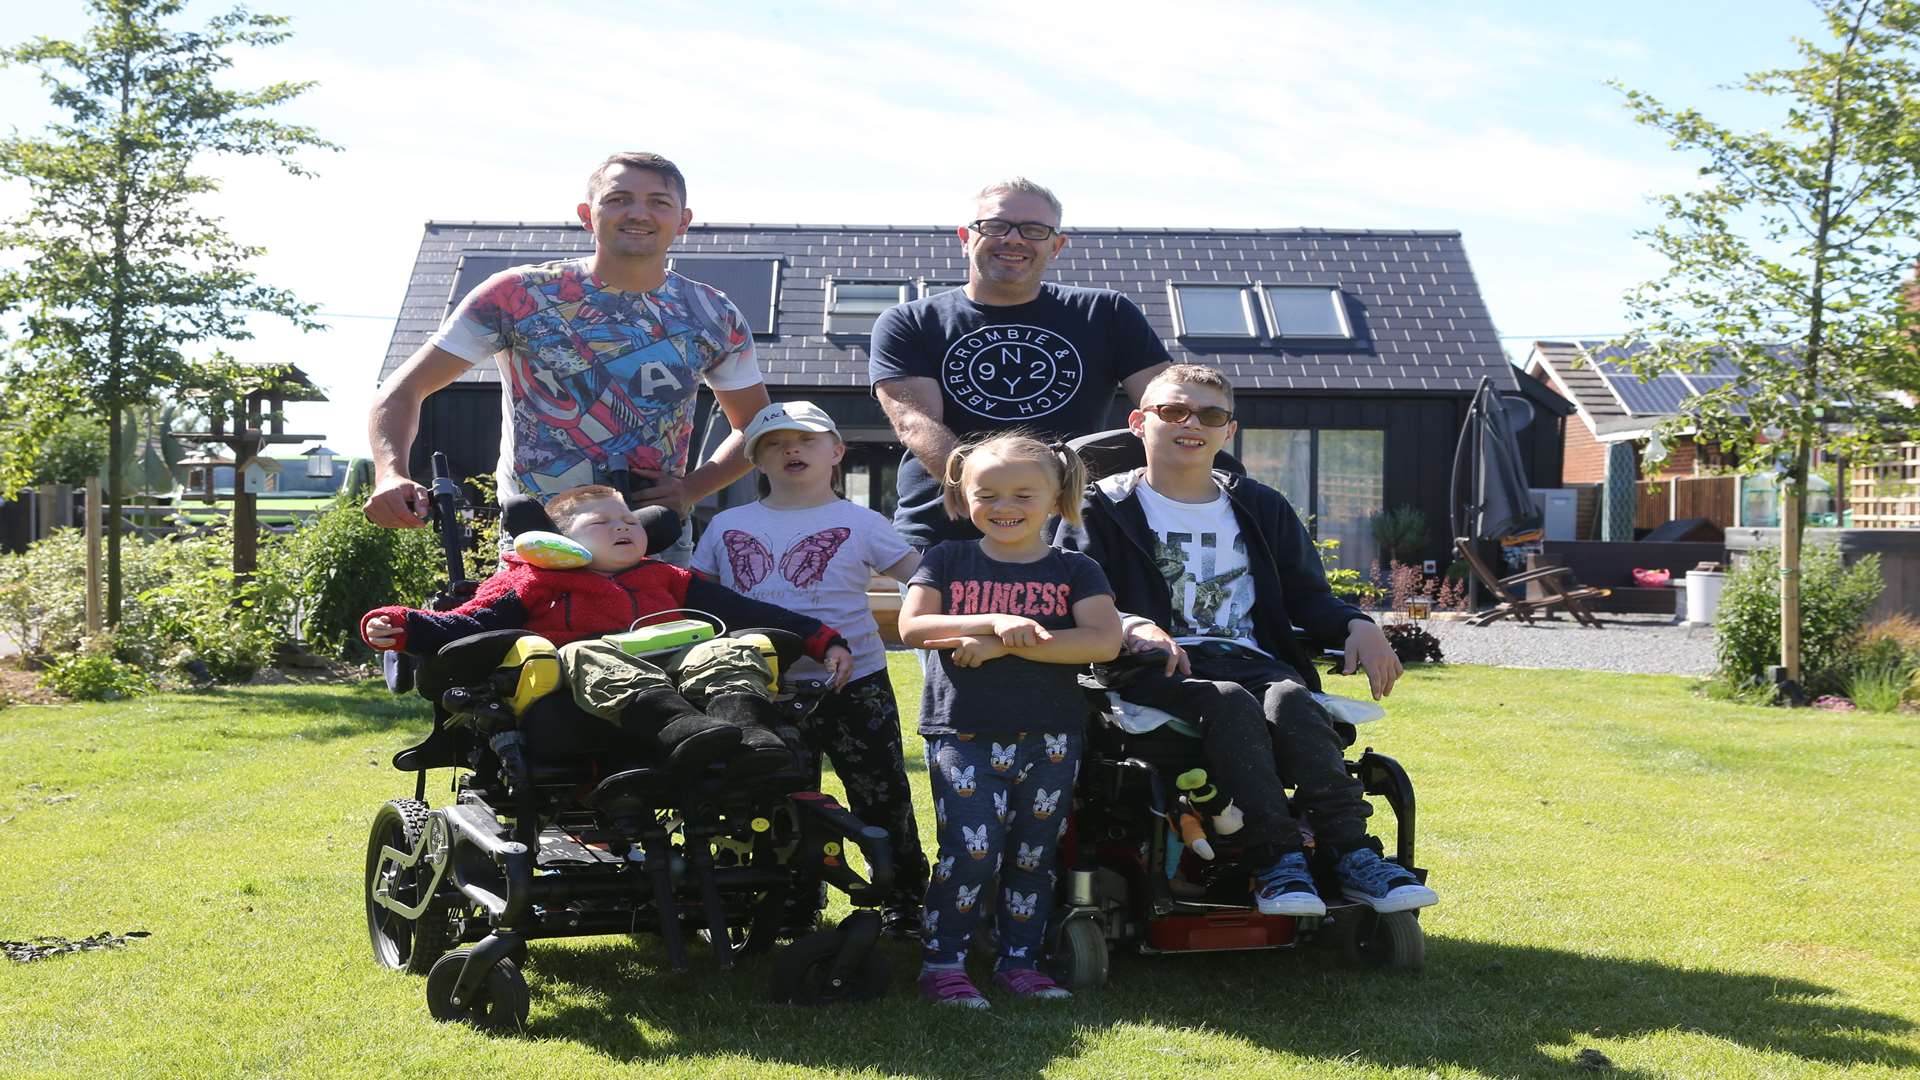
1028, 983
950, 987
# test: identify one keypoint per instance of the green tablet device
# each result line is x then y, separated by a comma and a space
662, 637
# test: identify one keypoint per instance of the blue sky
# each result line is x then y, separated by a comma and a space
1490, 118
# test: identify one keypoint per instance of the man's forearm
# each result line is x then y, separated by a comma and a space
728, 463
391, 426
930, 441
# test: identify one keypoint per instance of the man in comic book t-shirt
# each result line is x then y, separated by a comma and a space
597, 379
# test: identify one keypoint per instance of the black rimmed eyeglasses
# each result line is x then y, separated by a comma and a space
1173, 413
1029, 230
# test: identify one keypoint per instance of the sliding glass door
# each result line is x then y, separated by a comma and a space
1334, 477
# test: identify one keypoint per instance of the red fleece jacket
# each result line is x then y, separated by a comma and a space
567, 605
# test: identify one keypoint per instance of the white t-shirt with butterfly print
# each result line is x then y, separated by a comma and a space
817, 561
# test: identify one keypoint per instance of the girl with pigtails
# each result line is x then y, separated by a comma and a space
1014, 621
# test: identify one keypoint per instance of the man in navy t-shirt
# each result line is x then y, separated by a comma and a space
1007, 351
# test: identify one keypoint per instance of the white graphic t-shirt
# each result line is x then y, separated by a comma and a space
1203, 556
817, 561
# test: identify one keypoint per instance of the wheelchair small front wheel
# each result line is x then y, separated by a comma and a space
802, 973
500, 1004
1079, 956
1389, 942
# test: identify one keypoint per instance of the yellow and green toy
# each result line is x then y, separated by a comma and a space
551, 551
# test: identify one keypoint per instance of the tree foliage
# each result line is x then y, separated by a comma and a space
1791, 258
123, 271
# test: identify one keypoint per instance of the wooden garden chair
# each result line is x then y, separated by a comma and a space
1510, 597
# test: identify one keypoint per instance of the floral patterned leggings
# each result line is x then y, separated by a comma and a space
858, 729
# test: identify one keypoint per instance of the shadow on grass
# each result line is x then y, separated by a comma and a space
338, 712
1504, 1010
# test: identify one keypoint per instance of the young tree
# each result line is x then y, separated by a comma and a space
124, 269
1790, 260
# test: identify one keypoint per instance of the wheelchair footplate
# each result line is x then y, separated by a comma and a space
559, 848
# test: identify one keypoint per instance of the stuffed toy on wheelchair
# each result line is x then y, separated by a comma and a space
563, 823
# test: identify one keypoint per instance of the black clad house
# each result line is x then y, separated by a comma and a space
1353, 352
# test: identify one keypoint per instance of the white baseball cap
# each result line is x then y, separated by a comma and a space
788, 416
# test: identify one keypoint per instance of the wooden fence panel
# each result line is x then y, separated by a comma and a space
1710, 497
1661, 501
1650, 504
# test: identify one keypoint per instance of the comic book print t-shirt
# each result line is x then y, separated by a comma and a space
1010, 693
1200, 551
593, 378
817, 561
1050, 366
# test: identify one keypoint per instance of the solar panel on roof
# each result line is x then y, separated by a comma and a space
476, 267
1663, 394
751, 284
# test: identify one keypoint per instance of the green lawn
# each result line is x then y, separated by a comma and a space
1692, 889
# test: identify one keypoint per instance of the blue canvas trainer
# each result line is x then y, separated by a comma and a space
1381, 885
1286, 888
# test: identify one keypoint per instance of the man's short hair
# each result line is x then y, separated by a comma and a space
1192, 375
1020, 185
638, 159
564, 507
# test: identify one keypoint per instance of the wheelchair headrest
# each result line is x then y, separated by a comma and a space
524, 513
1119, 450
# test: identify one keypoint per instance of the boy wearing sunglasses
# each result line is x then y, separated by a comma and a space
1213, 571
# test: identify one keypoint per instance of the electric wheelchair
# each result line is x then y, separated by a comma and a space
1126, 881
544, 844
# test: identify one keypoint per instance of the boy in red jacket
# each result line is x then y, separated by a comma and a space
649, 708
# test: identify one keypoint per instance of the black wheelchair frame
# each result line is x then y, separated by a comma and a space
1114, 884
545, 849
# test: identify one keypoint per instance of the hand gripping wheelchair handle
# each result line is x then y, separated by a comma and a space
446, 502
824, 823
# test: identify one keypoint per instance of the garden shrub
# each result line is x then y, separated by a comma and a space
1412, 644
94, 674
1400, 532
1878, 686
43, 590
1347, 584
341, 566
1834, 601
200, 616
180, 603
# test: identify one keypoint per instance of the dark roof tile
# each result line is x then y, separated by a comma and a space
1422, 321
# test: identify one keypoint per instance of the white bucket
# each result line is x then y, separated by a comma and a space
1703, 595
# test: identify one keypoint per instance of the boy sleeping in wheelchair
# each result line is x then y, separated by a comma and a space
1212, 571
708, 703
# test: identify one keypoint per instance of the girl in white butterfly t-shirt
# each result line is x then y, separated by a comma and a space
807, 549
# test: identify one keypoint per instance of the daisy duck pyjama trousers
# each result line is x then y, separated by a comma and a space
1001, 804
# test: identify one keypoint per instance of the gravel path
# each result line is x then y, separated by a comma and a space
1635, 644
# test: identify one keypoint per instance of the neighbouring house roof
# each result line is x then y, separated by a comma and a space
1419, 322
1614, 403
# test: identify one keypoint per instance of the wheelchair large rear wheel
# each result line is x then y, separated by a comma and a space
400, 943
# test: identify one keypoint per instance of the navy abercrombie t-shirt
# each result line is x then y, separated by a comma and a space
1010, 693
1050, 366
